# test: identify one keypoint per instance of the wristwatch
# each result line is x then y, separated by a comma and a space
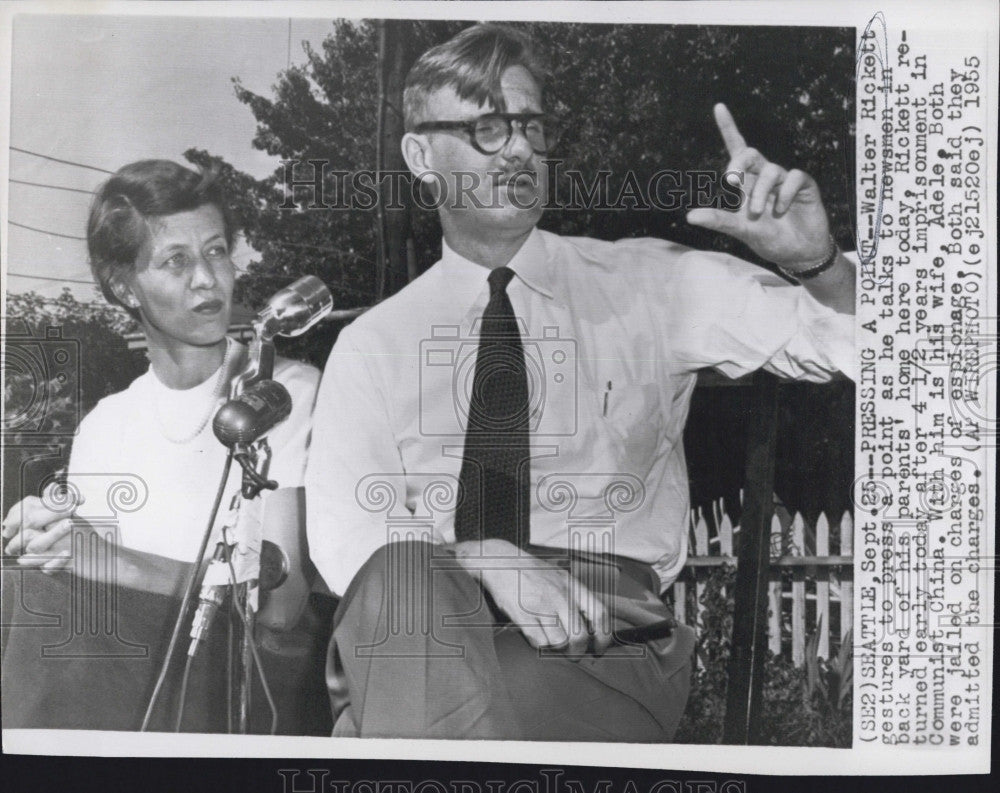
815, 268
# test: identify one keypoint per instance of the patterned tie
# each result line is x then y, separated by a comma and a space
496, 473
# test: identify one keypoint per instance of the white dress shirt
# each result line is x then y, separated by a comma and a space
614, 334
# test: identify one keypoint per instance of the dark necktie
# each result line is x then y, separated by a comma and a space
496, 473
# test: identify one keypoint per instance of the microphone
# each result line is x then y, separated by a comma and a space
289, 312
249, 416
296, 308
257, 404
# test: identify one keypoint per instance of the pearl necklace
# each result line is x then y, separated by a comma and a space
220, 384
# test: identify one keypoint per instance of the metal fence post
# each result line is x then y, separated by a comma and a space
749, 645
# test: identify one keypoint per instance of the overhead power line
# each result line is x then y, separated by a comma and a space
44, 231
263, 241
51, 278
53, 186
278, 243
368, 295
275, 276
64, 162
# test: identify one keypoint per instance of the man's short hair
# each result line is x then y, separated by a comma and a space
470, 63
118, 224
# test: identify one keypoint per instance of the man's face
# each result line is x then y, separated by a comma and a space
488, 192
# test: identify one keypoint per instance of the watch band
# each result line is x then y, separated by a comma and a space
815, 269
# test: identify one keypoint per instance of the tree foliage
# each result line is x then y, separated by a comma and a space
640, 97
37, 328
634, 98
60, 357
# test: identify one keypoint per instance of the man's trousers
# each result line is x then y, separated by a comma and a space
419, 650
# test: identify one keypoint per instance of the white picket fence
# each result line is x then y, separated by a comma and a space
811, 573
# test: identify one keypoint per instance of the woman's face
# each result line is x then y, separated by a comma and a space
183, 278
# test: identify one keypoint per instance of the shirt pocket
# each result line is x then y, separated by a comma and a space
634, 421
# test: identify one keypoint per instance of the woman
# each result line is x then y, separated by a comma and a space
145, 467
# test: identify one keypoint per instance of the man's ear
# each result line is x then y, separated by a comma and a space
416, 152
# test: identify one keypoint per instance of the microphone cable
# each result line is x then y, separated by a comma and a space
248, 634
183, 694
249, 637
230, 644
192, 584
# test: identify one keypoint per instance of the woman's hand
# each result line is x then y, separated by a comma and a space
38, 531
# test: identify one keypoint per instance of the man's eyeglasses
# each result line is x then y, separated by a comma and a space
488, 134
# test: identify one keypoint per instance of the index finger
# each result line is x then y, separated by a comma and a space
594, 612
9, 527
19, 541
12, 521
730, 133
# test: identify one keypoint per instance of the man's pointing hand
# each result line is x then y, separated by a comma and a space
781, 217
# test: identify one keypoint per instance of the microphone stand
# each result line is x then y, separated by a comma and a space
290, 312
260, 367
250, 455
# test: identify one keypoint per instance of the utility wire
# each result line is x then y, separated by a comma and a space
263, 241
51, 278
367, 294
53, 186
64, 162
53, 301
44, 231
343, 287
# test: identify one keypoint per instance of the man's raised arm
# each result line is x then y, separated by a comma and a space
782, 219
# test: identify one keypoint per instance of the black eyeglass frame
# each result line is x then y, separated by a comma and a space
549, 123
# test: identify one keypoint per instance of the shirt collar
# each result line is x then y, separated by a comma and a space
530, 264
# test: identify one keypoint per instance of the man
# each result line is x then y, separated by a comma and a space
497, 485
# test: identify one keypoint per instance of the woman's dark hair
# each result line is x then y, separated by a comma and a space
118, 224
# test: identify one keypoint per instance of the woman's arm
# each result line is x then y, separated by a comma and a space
72, 543
285, 526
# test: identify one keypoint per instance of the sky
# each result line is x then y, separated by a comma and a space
105, 91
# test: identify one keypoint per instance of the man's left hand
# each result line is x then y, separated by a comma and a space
781, 218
